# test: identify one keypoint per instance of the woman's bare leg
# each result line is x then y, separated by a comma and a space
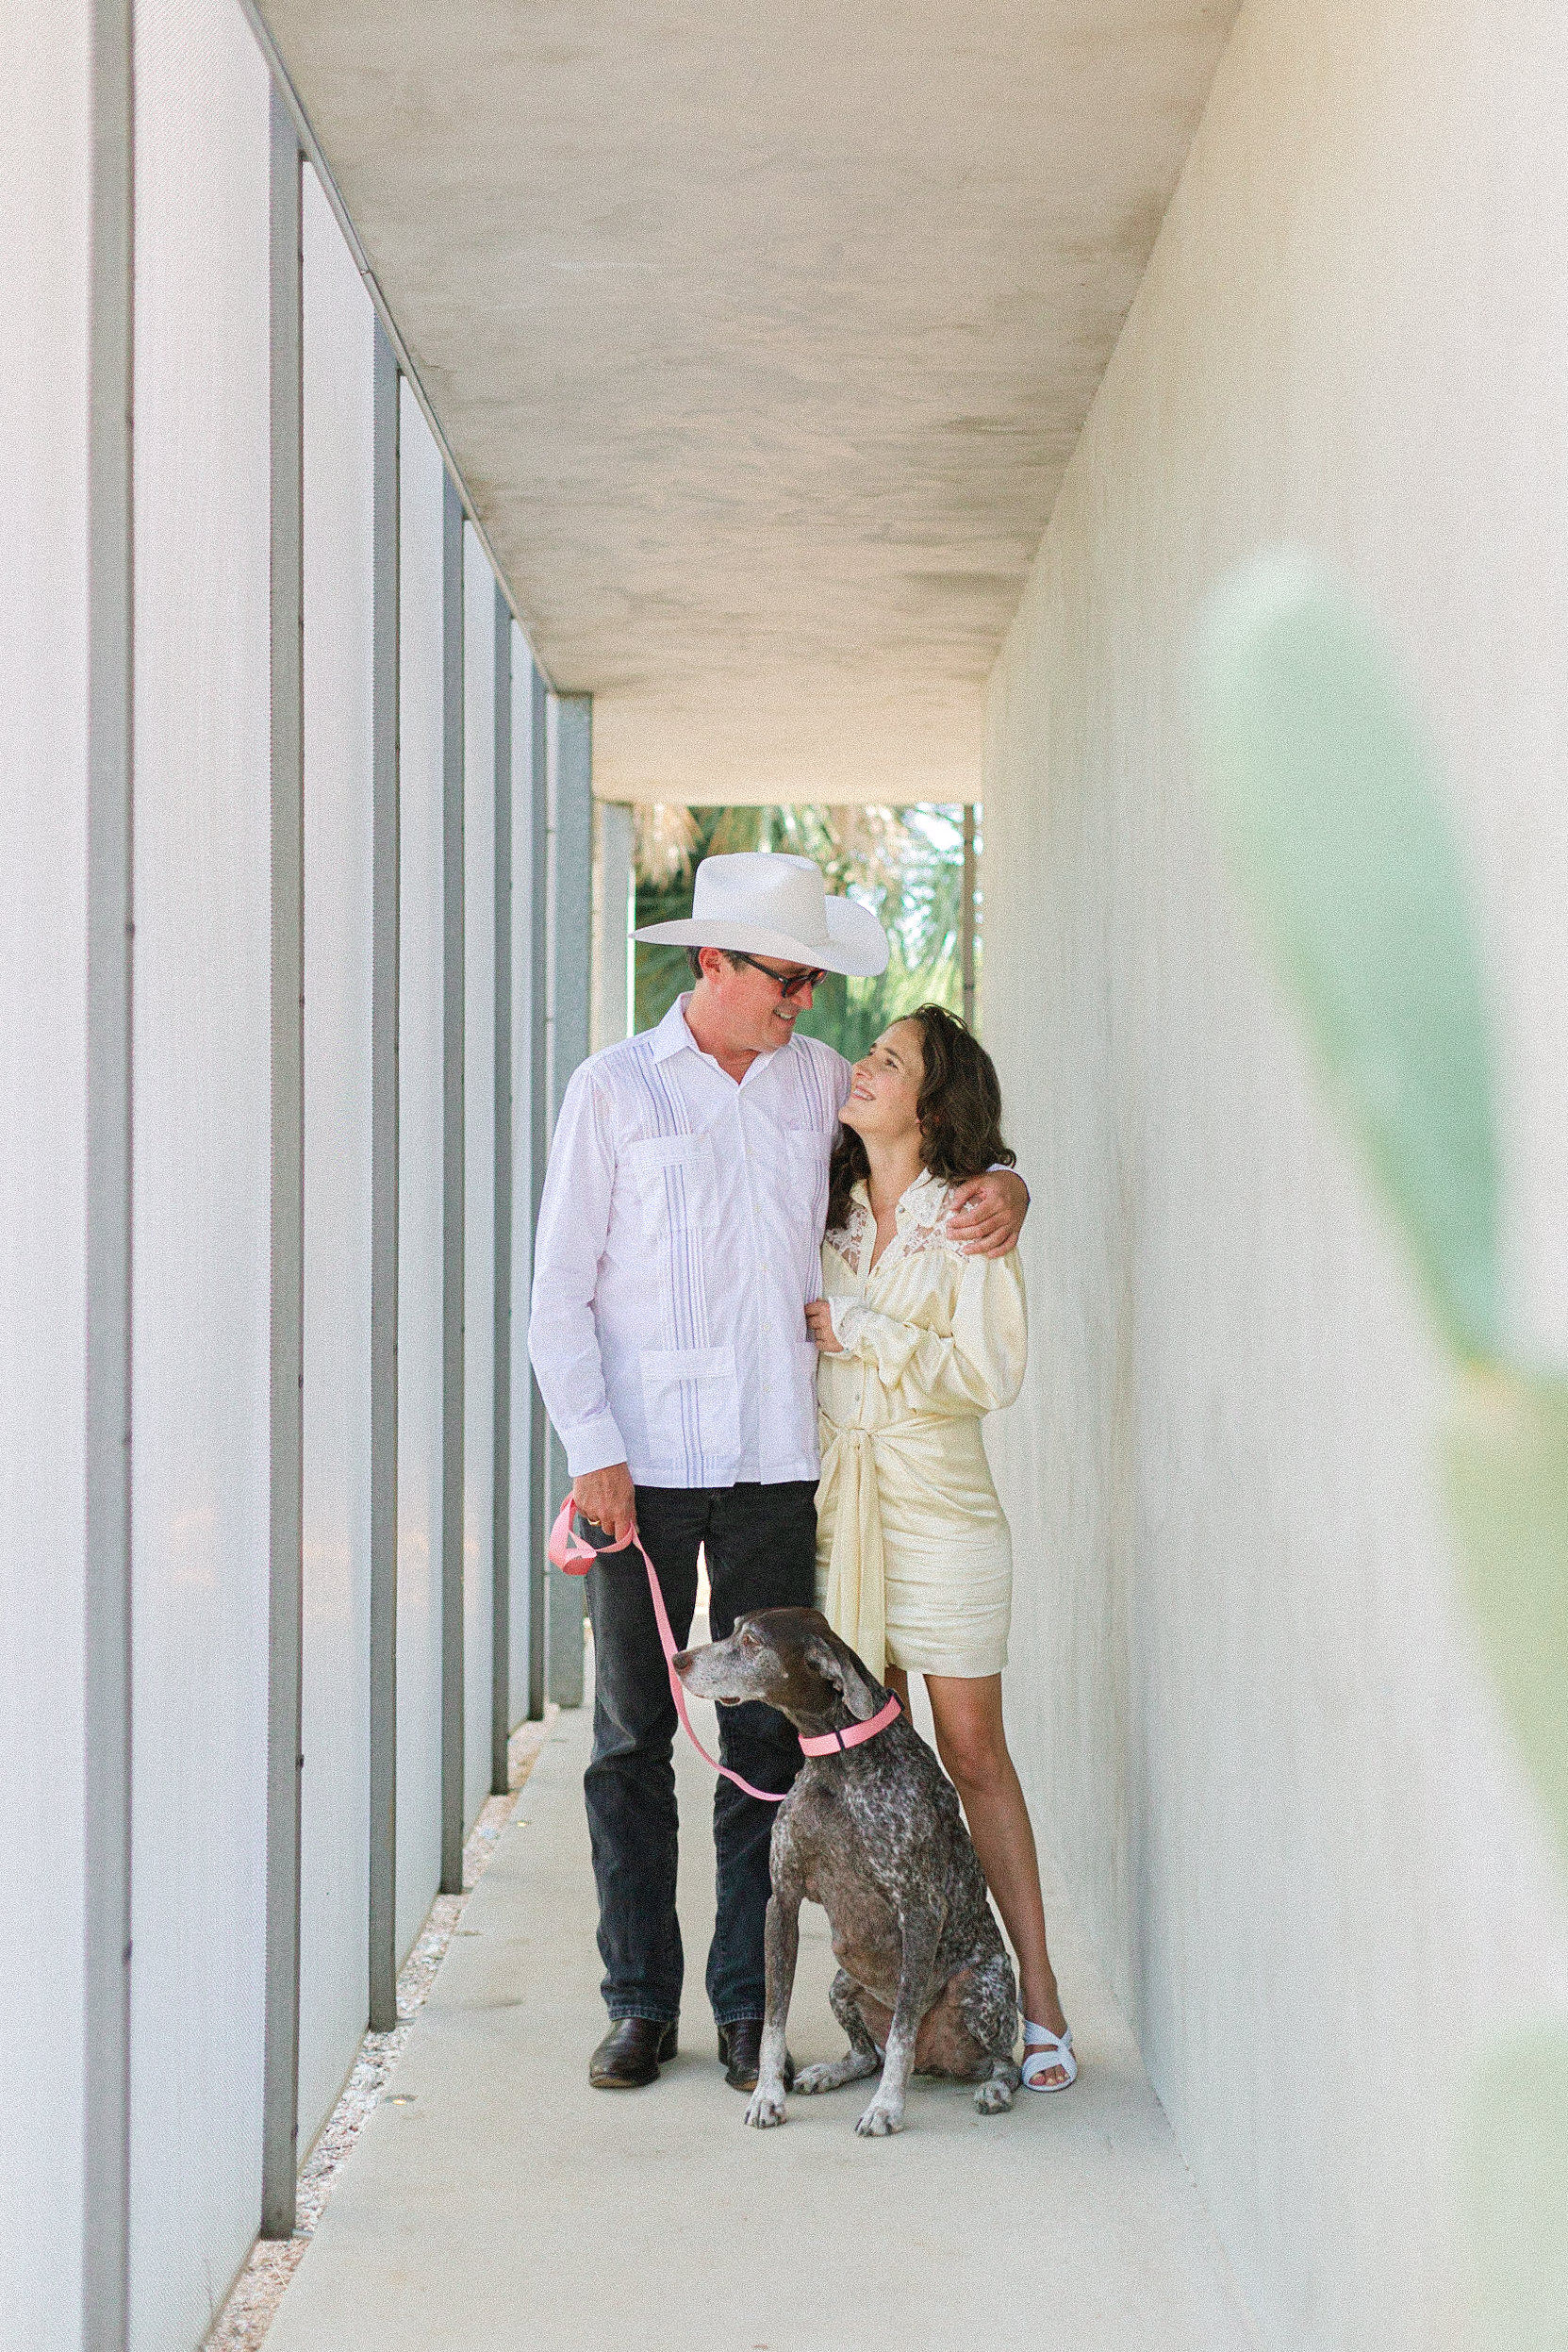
972, 1744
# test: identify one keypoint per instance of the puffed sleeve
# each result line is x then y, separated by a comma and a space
978, 1368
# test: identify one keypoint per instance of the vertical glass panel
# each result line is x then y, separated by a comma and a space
524, 916
479, 1160
43, 295
202, 1157
338, 344
419, 1858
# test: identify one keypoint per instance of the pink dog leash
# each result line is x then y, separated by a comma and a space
566, 1549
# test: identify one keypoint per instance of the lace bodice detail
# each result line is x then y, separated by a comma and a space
923, 1224
849, 1239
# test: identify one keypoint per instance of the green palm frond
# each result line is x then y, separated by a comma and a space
906, 864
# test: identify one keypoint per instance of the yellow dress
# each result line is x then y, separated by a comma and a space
914, 1557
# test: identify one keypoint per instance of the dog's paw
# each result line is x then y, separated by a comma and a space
879, 2121
813, 2079
993, 2099
766, 2108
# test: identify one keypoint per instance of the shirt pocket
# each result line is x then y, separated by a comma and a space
688, 1394
803, 1169
674, 1177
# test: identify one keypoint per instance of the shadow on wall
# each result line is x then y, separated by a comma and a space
1339, 837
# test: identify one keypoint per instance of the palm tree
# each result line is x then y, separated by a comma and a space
906, 864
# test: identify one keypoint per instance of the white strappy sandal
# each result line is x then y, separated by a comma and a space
1045, 2052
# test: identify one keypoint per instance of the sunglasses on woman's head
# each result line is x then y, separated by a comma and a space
789, 984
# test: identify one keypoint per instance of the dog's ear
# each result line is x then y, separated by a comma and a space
836, 1663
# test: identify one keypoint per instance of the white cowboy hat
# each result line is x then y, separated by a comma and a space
767, 902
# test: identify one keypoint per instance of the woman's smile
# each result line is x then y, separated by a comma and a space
885, 1088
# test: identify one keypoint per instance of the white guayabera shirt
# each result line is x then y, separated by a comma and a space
678, 1245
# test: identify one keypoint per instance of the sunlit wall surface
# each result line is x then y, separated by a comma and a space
1250, 1707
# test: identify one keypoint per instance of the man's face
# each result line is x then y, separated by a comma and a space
746, 999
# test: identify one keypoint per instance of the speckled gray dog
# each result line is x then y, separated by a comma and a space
874, 1835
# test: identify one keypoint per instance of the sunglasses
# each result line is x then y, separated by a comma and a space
789, 984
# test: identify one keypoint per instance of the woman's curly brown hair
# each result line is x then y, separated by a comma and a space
959, 1107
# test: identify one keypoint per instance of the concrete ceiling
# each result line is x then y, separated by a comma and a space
762, 335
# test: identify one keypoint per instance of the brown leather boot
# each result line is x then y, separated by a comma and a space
631, 2054
740, 2047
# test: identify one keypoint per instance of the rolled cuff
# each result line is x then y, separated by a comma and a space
845, 1314
596, 1445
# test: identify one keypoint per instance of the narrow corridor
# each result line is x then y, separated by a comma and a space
503, 2204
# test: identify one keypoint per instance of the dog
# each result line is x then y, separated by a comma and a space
873, 1833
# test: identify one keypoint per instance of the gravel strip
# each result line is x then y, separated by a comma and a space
245, 2318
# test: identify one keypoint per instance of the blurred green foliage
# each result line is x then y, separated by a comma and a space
906, 864
1338, 834
1341, 844
1514, 2159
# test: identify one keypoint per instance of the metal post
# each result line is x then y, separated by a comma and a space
571, 999
286, 1611
105, 2251
501, 1490
453, 1180
967, 917
385, 861
538, 1148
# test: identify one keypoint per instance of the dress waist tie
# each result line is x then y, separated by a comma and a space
856, 1597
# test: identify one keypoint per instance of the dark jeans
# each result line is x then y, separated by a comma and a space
761, 1546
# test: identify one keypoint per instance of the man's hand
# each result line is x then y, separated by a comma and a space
819, 1324
606, 1499
989, 1213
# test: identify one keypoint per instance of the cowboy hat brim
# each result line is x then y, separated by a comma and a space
856, 943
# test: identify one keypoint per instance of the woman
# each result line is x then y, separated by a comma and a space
916, 1341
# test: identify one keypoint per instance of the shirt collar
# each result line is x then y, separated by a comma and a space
673, 1037
908, 1202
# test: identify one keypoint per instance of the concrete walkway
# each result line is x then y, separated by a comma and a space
505, 2207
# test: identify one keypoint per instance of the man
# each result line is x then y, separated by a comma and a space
677, 1249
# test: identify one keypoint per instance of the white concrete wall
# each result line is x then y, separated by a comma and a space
202, 1050
43, 298
479, 784
335, 1799
1245, 1698
418, 1659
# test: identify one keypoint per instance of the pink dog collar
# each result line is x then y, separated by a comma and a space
568, 1550
830, 1743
